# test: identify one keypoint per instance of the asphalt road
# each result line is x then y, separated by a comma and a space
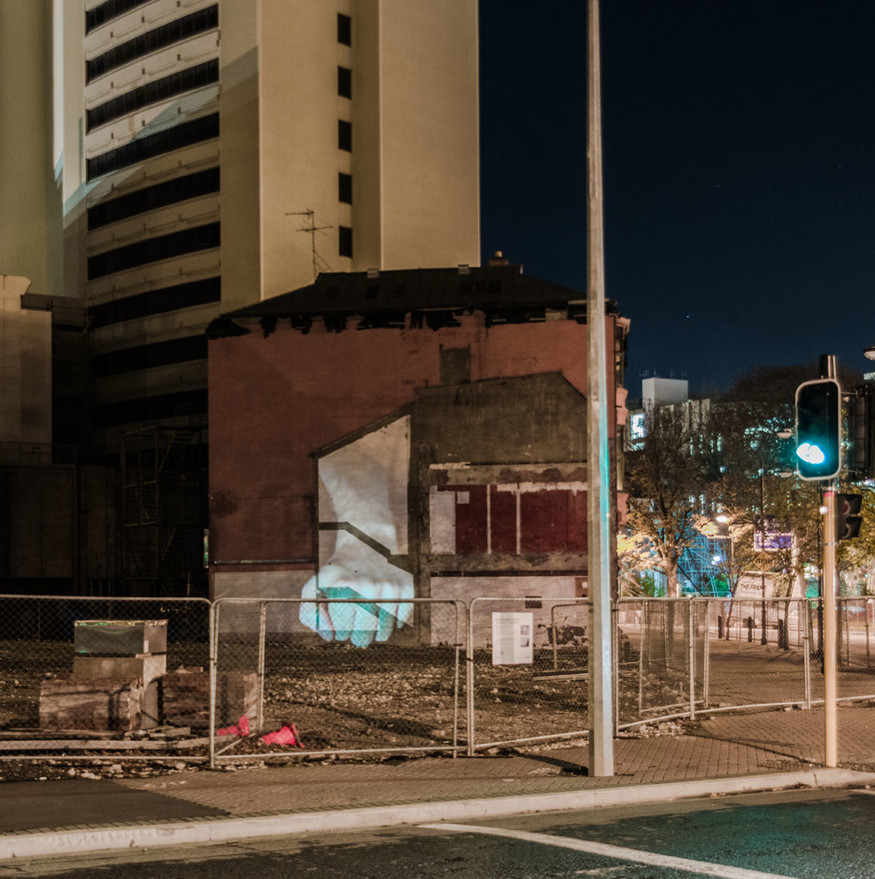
798, 834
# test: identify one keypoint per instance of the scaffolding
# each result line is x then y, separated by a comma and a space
164, 477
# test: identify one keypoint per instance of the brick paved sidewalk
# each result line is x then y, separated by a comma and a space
722, 746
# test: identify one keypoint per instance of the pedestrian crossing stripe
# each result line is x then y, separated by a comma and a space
612, 851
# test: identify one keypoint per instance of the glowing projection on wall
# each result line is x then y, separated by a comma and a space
362, 540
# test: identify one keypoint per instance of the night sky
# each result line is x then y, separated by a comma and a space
739, 163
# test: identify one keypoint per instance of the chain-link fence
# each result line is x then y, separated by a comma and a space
54, 649
855, 637
527, 670
665, 645
714, 654
422, 675
759, 653
340, 688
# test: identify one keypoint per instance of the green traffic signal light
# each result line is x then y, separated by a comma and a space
818, 429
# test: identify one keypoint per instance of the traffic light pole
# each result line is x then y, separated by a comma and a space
819, 453
829, 626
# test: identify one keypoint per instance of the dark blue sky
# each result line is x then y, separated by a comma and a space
739, 150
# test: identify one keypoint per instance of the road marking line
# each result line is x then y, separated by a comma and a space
613, 851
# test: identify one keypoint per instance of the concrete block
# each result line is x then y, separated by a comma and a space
186, 697
119, 637
147, 668
98, 705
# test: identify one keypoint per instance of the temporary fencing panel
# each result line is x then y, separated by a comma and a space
343, 689
667, 638
855, 619
710, 654
37, 645
755, 664
527, 670
399, 695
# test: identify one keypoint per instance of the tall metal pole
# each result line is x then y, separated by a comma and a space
829, 369
829, 628
601, 708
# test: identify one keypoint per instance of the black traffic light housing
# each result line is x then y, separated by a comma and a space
818, 429
848, 518
861, 433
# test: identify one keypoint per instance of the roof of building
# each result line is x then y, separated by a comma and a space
429, 297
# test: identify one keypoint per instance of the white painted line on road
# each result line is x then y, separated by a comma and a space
175, 832
613, 851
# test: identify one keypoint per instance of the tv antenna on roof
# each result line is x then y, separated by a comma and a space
310, 226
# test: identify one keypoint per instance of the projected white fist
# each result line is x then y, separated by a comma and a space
372, 596
359, 595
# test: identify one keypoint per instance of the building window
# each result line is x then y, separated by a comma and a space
157, 301
344, 82
166, 35
154, 249
151, 408
141, 149
344, 135
166, 353
153, 92
344, 188
345, 241
152, 197
94, 18
344, 29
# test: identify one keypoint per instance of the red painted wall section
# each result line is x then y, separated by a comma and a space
504, 524
548, 520
274, 401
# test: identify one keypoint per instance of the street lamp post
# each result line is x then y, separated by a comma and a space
601, 670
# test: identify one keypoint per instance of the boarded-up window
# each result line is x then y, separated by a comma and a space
455, 365
511, 520
504, 520
552, 521
470, 519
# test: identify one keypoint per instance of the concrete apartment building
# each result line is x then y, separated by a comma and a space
164, 161
216, 154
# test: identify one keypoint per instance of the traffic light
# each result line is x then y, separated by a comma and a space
861, 433
848, 518
818, 429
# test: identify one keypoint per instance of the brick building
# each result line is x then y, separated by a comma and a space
404, 433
